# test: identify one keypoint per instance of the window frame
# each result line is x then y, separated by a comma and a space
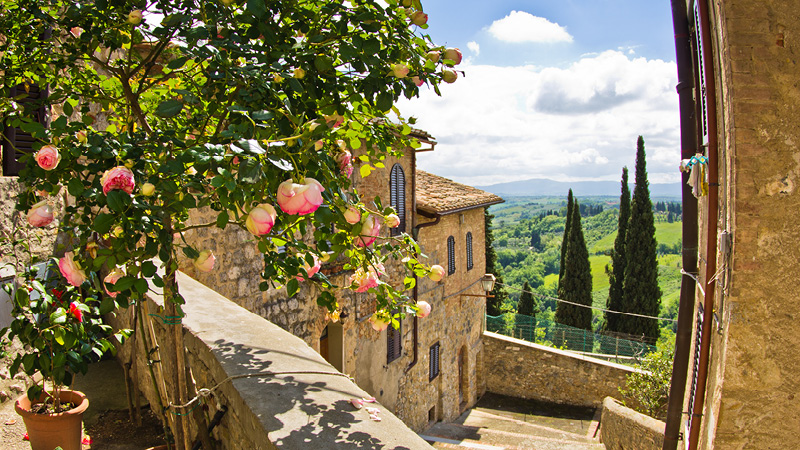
451, 255
470, 261
394, 342
434, 362
397, 197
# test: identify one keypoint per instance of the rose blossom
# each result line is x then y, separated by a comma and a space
119, 177
366, 279
81, 136
310, 270
135, 17
453, 54
352, 215
424, 308
344, 159
40, 214
392, 221
378, 323
334, 120
205, 262
399, 70
433, 56
449, 76
369, 231
76, 31
419, 18
47, 157
318, 145
299, 73
71, 270
417, 81
148, 189
261, 219
437, 272
112, 278
75, 311
300, 199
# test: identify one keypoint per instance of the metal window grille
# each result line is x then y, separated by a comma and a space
700, 77
469, 251
394, 342
433, 371
397, 197
17, 142
698, 339
451, 255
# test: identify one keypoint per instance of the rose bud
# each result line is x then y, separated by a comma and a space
310, 270
300, 199
417, 80
148, 189
299, 73
261, 219
423, 309
334, 120
437, 273
40, 214
433, 56
369, 231
71, 270
111, 279
318, 145
392, 221
344, 159
135, 17
352, 215
119, 177
76, 32
365, 279
453, 54
47, 157
449, 76
399, 70
205, 262
419, 18
91, 248
81, 136
378, 323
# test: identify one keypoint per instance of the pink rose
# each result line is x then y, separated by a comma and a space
112, 278
399, 70
76, 31
205, 262
417, 81
423, 309
261, 219
379, 323
357, 403
334, 120
433, 56
352, 215
365, 279
310, 270
453, 54
392, 221
437, 273
71, 270
344, 159
449, 76
135, 17
81, 136
369, 231
318, 145
119, 177
40, 214
75, 311
300, 199
47, 157
419, 18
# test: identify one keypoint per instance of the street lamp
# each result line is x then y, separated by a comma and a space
487, 283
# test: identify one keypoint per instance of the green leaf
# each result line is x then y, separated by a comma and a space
107, 305
257, 8
118, 200
34, 128
280, 163
222, 219
249, 170
323, 63
292, 286
384, 101
28, 362
365, 170
190, 252
75, 187
141, 286
169, 108
103, 222
149, 269
58, 334
177, 63
124, 283
58, 316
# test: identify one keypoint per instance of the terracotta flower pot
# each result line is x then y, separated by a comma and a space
48, 431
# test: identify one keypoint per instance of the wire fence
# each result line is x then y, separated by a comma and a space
614, 346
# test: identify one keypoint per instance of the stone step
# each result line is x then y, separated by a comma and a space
526, 443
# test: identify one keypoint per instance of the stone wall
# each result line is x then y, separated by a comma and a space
622, 428
752, 386
523, 369
285, 395
13, 223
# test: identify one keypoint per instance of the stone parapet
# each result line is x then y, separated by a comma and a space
622, 428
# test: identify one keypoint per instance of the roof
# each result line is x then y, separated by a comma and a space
439, 196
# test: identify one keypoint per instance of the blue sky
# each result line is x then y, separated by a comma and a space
554, 89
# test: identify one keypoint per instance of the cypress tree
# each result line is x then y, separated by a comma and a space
640, 291
493, 304
617, 274
527, 302
576, 284
565, 238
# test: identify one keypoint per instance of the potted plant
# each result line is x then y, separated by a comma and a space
61, 332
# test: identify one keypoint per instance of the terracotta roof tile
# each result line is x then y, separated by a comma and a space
438, 195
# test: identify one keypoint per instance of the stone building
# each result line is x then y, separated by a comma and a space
741, 386
429, 369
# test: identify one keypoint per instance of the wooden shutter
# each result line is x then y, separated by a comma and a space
469, 251
433, 371
17, 142
397, 197
451, 255
394, 342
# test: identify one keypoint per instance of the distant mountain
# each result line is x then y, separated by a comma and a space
544, 187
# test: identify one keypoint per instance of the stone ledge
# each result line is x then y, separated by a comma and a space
622, 428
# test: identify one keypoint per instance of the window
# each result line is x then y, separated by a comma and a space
15, 141
469, 250
433, 372
394, 340
397, 198
451, 255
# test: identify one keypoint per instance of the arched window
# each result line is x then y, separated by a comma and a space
451, 255
397, 197
469, 250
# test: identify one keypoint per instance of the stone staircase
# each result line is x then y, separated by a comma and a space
503, 423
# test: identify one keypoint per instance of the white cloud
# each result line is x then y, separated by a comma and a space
581, 122
519, 26
474, 47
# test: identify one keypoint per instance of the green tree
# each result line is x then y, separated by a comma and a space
536, 241
565, 237
527, 302
640, 291
618, 259
493, 304
576, 284
647, 390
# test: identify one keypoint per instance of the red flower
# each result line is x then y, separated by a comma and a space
57, 294
73, 309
